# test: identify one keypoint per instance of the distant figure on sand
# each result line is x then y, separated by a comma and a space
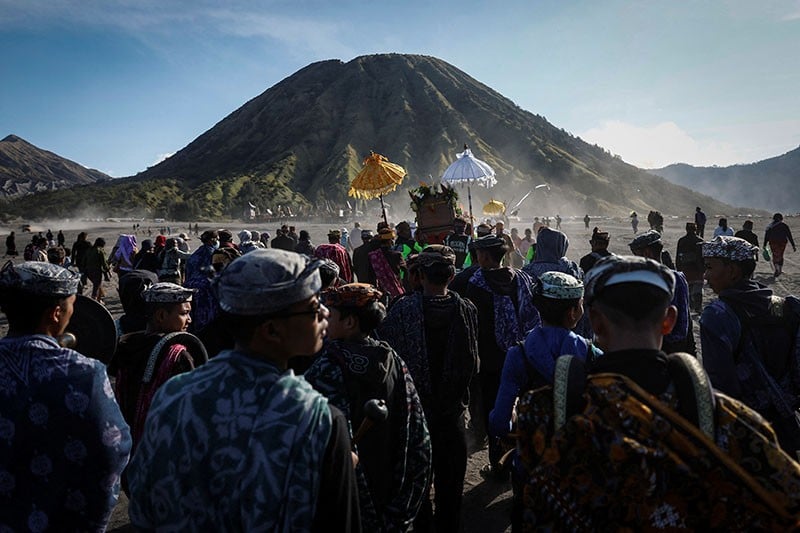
747, 234
11, 245
723, 230
776, 236
634, 222
586, 220
700, 221
689, 260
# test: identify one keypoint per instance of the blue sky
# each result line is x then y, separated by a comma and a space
119, 84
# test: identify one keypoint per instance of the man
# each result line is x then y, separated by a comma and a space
243, 443
628, 445
145, 360
282, 241
700, 221
504, 300
776, 236
459, 241
681, 338
526, 243
11, 245
405, 243
226, 239
500, 231
291, 232
599, 243
360, 257
537, 225
63, 441
586, 220
689, 261
748, 351
337, 253
304, 244
435, 332
747, 233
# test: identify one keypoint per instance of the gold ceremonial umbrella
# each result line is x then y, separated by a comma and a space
494, 208
378, 177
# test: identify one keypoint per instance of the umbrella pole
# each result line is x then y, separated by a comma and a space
471, 218
383, 210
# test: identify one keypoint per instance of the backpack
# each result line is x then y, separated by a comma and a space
767, 357
28, 252
600, 453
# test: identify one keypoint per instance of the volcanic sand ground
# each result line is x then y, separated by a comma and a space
486, 503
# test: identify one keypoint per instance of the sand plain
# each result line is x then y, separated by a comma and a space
486, 503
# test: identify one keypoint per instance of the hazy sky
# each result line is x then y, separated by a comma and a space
118, 84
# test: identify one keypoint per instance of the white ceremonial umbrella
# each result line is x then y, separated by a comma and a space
468, 170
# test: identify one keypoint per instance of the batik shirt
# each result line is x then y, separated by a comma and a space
236, 445
63, 441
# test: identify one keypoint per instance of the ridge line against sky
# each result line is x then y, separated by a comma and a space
119, 84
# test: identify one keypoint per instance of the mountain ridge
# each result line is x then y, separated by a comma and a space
301, 142
26, 169
743, 183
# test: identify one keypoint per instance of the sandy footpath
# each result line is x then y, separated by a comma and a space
486, 503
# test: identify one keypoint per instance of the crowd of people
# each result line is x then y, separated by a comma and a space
278, 384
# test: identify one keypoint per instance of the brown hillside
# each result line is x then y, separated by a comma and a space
26, 169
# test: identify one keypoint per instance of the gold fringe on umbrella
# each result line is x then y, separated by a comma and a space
378, 177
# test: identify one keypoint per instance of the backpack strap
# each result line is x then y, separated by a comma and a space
695, 396
568, 385
194, 346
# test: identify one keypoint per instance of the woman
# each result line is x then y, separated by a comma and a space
96, 267
123, 253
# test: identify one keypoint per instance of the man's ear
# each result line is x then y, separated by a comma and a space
669, 320
52, 315
271, 330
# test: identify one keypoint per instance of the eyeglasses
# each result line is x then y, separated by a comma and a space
319, 311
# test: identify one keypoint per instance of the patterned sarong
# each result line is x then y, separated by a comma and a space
386, 278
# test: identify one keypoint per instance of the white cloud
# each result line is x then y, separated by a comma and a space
793, 13
660, 145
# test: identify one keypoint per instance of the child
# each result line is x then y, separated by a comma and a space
559, 299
